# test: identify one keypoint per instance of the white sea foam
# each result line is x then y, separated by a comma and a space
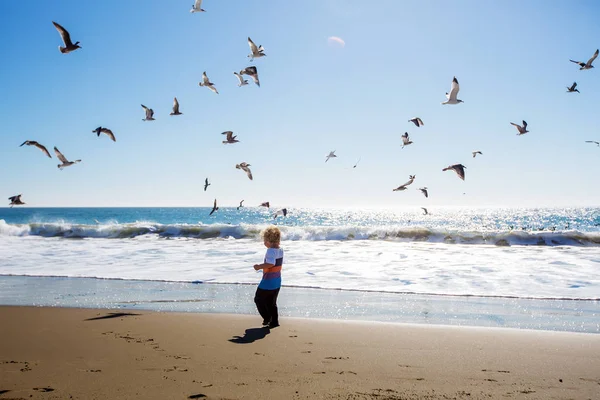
373, 265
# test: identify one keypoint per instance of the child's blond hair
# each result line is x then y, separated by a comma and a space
272, 234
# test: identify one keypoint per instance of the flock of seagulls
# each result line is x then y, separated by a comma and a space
452, 99
252, 72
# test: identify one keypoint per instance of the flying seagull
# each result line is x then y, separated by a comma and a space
411, 179
257, 52
15, 201
405, 140
241, 79
66, 38
253, 73
149, 113
240, 206
331, 154
476, 152
39, 146
175, 107
424, 191
196, 7
587, 65
453, 93
108, 132
458, 168
417, 121
65, 162
231, 138
522, 129
265, 204
572, 88
424, 211
215, 208
593, 141
356, 163
244, 167
206, 184
207, 83
282, 212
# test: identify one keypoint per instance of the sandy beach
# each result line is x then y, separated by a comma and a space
71, 353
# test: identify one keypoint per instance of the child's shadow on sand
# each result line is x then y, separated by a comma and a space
251, 335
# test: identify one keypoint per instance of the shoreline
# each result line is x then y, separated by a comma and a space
78, 353
327, 304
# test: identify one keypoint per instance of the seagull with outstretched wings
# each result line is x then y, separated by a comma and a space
39, 146
451, 97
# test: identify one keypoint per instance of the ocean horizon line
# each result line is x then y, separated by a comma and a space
326, 208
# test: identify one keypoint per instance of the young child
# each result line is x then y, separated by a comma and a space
268, 289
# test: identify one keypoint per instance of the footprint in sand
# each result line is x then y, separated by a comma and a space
46, 389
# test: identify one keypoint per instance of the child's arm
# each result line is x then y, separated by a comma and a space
263, 266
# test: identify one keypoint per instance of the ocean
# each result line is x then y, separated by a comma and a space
498, 256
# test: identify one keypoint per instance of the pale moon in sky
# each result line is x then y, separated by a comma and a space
334, 40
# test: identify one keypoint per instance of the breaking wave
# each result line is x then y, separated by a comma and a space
252, 231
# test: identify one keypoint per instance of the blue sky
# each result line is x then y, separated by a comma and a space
511, 59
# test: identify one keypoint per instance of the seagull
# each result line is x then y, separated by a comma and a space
240, 206
66, 38
108, 132
230, 137
587, 65
572, 88
411, 179
196, 7
356, 163
206, 184
282, 212
253, 73
15, 201
453, 93
149, 113
522, 129
241, 79
244, 167
424, 211
593, 141
459, 169
215, 208
175, 107
257, 52
417, 121
39, 146
476, 152
265, 204
65, 162
207, 83
424, 191
331, 154
405, 140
